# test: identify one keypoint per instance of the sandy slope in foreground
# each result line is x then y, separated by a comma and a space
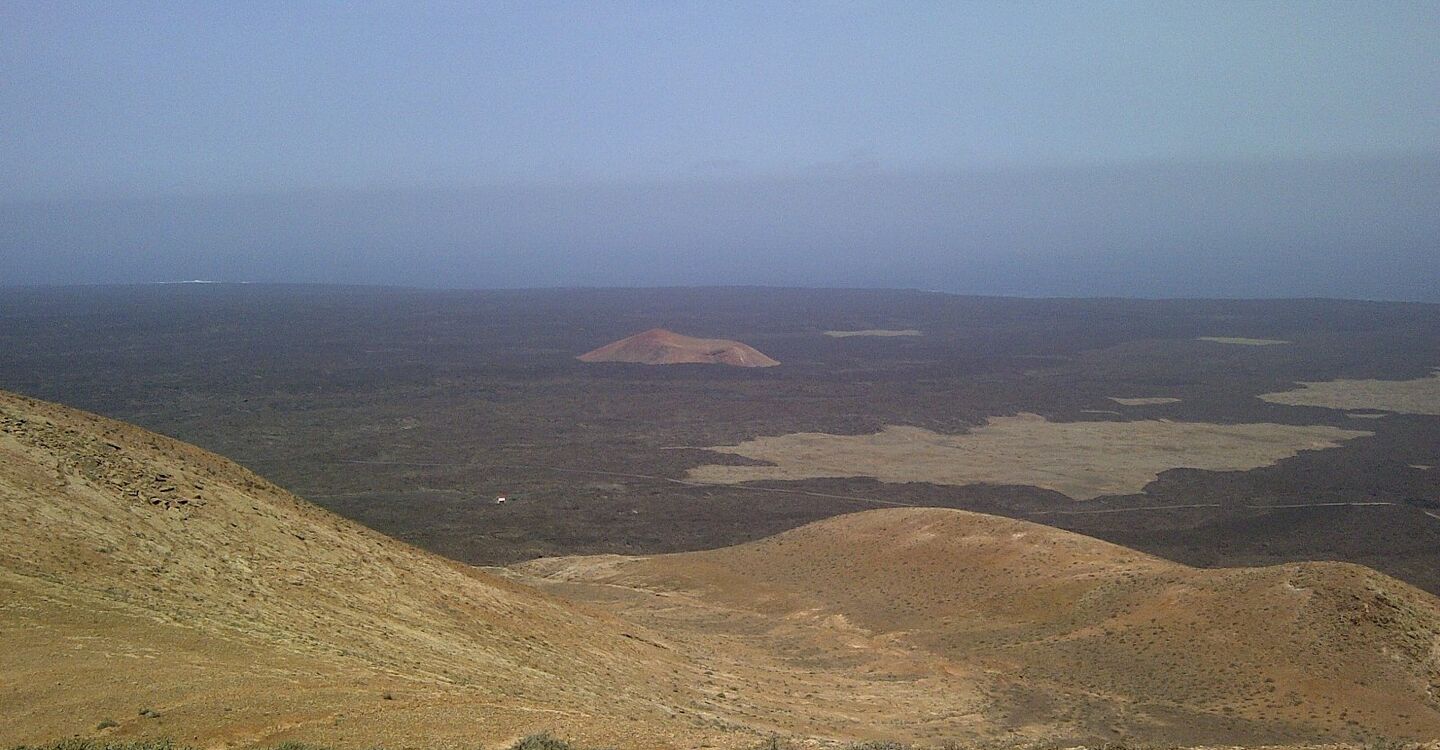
137, 572
140, 572
1052, 634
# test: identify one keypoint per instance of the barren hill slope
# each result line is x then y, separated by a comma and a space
145, 581
658, 346
140, 573
1064, 636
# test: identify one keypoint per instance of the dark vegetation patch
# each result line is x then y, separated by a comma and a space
542, 741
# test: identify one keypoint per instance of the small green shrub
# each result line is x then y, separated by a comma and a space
82, 744
542, 741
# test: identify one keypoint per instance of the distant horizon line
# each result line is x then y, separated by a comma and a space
798, 172
697, 287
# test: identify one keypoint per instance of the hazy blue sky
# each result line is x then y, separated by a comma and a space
1038, 148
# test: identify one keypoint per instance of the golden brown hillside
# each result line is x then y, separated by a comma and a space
1023, 630
150, 583
141, 573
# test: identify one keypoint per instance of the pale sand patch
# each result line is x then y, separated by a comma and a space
1422, 467
1144, 401
1357, 415
1081, 459
1420, 396
1241, 341
873, 332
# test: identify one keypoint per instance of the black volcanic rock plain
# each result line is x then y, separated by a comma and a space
410, 410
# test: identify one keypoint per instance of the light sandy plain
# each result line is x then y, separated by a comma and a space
1083, 460
1241, 341
881, 332
1419, 396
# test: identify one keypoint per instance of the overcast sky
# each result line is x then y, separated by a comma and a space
1140, 149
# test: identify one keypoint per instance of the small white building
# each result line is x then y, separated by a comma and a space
500, 500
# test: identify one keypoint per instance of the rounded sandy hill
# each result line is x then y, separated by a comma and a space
658, 346
1010, 626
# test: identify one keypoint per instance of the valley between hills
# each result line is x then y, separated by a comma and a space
823, 551
140, 570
